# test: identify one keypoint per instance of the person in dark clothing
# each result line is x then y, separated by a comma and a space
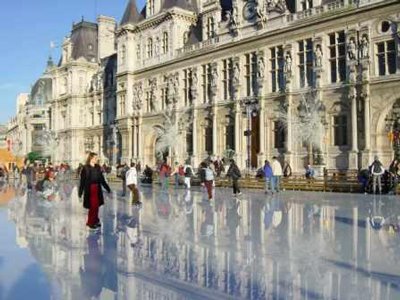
394, 175
91, 181
234, 174
363, 178
148, 175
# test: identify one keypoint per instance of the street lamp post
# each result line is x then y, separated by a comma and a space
251, 105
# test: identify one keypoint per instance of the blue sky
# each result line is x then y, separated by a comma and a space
26, 29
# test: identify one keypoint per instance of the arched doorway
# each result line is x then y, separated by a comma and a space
392, 127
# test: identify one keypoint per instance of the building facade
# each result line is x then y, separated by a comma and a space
307, 81
217, 69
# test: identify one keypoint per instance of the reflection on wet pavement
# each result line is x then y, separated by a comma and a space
178, 246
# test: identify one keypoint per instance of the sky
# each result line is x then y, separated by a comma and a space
26, 29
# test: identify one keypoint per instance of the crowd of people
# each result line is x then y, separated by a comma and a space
92, 176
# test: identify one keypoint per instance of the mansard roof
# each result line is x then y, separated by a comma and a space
131, 15
84, 41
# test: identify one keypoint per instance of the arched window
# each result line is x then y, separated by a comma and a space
149, 48
165, 42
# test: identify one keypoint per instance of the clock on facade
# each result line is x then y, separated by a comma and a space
249, 10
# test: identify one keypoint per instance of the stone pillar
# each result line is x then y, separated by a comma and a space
195, 156
215, 131
238, 137
352, 77
288, 58
140, 140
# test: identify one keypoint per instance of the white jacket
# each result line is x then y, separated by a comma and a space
131, 176
276, 168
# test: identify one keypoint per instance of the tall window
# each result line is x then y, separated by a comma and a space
210, 28
386, 57
230, 136
163, 97
150, 48
209, 138
165, 43
277, 62
123, 54
340, 130
250, 73
337, 56
187, 83
306, 72
206, 82
189, 142
148, 101
279, 135
227, 74
138, 51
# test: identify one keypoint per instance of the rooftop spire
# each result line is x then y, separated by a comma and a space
131, 15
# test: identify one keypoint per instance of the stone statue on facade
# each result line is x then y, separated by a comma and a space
214, 77
138, 93
288, 63
318, 56
260, 13
236, 73
351, 49
260, 67
364, 47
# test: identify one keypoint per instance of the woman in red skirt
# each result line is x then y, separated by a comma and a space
90, 186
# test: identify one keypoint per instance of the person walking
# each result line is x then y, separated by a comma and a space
267, 175
394, 175
132, 183
90, 185
276, 175
234, 174
377, 171
164, 174
207, 178
188, 170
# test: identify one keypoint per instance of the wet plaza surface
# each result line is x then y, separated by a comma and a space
292, 245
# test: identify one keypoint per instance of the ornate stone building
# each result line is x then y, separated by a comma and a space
216, 69
308, 81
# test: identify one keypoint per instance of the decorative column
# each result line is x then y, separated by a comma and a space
261, 106
238, 136
194, 97
213, 100
195, 156
363, 51
287, 68
352, 92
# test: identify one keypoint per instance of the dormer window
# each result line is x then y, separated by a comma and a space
151, 7
165, 43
